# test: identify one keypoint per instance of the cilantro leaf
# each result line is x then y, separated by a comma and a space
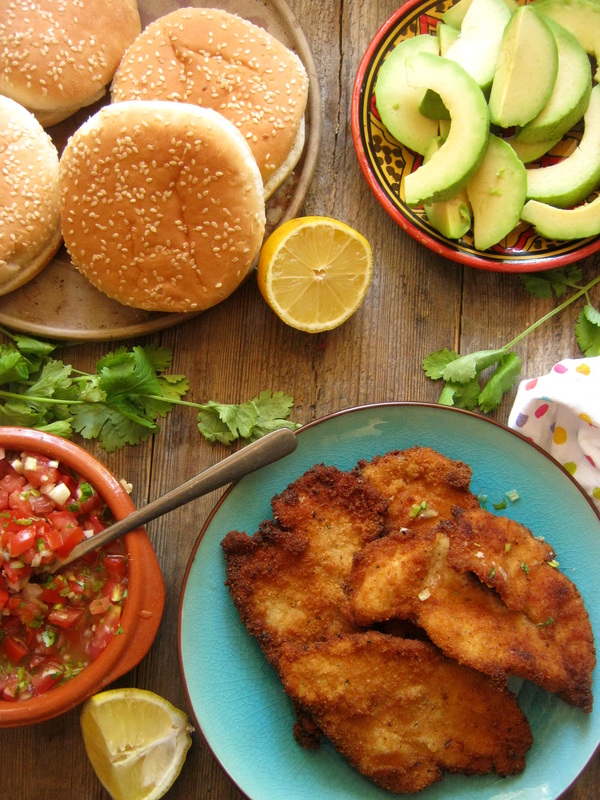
13, 366
224, 423
435, 363
543, 284
33, 347
17, 412
127, 373
273, 409
54, 380
501, 381
159, 357
464, 368
119, 403
461, 395
587, 331
110, 427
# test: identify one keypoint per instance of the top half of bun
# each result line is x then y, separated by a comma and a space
215, 59
161, 204
59, 55
30, 230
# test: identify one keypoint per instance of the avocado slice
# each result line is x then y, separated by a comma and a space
531, 151
452, 218
431, 104
450, 168
569, 181
398, 103
581, 18
528, 50
497, 193
562, 224
570, 96
476, 50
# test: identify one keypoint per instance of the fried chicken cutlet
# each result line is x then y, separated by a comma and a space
402, 713
484, 591
287, 580
421, 485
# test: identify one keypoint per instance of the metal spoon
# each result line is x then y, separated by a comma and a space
264, 451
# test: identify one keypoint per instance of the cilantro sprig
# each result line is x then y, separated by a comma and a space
466, 384
122, 401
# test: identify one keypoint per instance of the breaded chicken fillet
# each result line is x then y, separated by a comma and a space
402, 713
487, 592
287, 580
421, 485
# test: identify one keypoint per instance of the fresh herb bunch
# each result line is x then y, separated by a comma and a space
121, 402
466, 386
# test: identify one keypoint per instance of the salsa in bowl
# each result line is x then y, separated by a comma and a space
64, 636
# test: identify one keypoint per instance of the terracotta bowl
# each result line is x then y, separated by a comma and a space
145, 595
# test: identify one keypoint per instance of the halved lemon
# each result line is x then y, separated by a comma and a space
314, 272
136, 741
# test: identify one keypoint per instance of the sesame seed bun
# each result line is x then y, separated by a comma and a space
218, 60
29, 214
162, 205
57, 56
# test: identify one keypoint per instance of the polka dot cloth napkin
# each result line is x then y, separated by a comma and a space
561, 413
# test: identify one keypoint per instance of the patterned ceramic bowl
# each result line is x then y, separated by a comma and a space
385, 163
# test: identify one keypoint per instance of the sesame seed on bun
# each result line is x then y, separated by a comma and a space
57, 56
162, 204
29, 213
218, 60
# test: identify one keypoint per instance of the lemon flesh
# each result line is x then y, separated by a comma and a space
314, 272
136, 742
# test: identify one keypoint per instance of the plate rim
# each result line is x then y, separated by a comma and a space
442, 247
309, 425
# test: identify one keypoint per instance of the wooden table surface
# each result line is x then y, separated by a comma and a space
418, 302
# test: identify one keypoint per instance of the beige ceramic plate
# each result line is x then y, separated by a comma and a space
60, 303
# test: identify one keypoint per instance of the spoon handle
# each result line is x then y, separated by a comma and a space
253, 456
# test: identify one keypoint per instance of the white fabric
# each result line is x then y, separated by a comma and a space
561, 413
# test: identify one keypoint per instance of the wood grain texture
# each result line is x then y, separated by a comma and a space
418, 302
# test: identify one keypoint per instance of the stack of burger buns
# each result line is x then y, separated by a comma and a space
161, 193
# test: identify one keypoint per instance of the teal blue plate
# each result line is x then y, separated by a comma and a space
237, 700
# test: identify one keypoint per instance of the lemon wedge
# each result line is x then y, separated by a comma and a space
314, 272
136, 742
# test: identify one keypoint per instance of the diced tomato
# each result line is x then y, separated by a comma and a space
46, 679
15, 573
65, 617
3, 597
63, 519
20, 541
37, 470
15, 651
52, 537
70, 537
41, 504
19, 501
116, 565
11, 482
95, 522
99, 605
105, 630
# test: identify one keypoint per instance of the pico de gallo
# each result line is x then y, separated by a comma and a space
52, 626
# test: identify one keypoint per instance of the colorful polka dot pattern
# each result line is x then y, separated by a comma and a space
561, 412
